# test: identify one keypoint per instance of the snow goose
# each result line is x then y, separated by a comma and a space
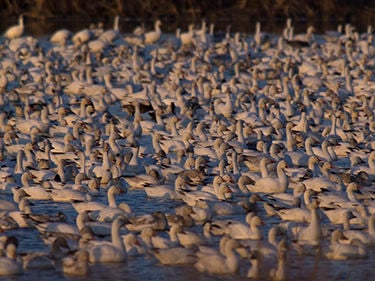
243, 181
175, 256
227, 208
182, 215
280, 272
112, 34
28, 123
61, 37
27, 152
312, 234
369, 169
103, 171
37, 261
150, 240
286, 200
166, 190
269, 248
152, 178
112, 191
8, 263
254, 271
82, 37
69, 195
31, 191
339, 251
108, 214
255, 166
300, 158
56, 229
152, 37
77, 264
222, 192
174, 144
96, 228
105, 251
366, 237
272, 185
187, 239
187, 37
224, 106
132, 245
242, 231
16, 30
225, 263
321, 183
202, 211
18, 216
290, 214
339, 198
156, 221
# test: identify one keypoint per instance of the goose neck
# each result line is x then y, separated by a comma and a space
81, 220
371, 225
19, 164
315, 224
60, 171
117, 241
231, 258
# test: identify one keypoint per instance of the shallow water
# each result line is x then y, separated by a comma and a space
143, 268
146, 268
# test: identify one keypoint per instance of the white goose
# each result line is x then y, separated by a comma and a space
152, 37
246, 231
69, 195
29, 190
267, 248
367, 238
150, 240
112, 34
175, 256
76, 265
187, 37
339, 251
223, 192
293, 214
323, 152
156, 221
312, 234
105, 251
272, 185
188, 239
370, 169
300, 158
8, 263
61, 37
341, 199
225, 263
166, 190
132, 245
16, 30
97, 206
104, 171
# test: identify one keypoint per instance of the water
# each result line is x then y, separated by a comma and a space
145, 268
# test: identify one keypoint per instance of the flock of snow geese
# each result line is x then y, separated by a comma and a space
262, 144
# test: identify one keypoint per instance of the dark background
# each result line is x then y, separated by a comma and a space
43, 16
